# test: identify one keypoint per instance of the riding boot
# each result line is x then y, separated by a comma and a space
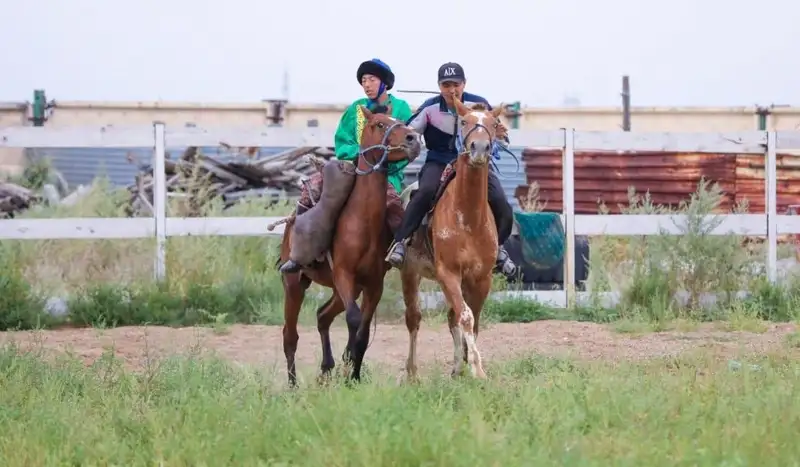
397, 254
290, 266
504, 264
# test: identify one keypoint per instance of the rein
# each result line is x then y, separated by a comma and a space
382, 164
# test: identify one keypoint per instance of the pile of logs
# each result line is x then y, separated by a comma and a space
196, 178
15, 198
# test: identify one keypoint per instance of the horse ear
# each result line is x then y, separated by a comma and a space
497, 111
461, 109
365, 111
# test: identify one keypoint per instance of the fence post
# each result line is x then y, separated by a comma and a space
160, 198
568, 183
770, 185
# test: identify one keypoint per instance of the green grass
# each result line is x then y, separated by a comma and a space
219, 280
204, 412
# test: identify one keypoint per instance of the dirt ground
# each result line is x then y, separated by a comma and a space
261, 345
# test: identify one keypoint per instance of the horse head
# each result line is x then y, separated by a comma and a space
476, 132
392, 137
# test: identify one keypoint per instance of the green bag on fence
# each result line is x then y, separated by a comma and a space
542, 237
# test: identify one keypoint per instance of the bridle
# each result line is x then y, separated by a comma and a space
461, 138
382, 164
495, 144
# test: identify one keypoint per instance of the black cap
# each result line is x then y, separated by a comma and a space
451, 71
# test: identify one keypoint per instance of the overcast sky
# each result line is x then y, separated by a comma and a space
677, 52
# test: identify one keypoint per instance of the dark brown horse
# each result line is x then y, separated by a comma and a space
357, 255
460, 249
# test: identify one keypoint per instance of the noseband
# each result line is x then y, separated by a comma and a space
381, 165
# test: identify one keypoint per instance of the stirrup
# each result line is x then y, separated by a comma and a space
504, 263
393, 252
290, 267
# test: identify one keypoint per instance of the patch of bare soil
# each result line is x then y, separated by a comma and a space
262, 345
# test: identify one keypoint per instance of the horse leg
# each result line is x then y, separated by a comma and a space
372, 296
475, 294
459, 349
411, 280
294, 292
325, 316
459, 313
345, 283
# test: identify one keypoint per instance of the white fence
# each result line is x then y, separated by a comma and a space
159, 137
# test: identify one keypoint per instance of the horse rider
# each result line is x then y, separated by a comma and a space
436, 120
376, 79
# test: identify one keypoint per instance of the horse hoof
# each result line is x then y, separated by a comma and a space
324, 379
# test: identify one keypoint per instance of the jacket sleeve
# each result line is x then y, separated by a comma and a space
419, 120
346, 145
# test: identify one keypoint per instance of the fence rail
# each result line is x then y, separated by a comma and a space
160, 137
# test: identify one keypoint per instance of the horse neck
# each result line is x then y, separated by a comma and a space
370, 191
472, 192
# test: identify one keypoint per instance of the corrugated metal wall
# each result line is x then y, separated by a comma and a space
81, 165
669, 177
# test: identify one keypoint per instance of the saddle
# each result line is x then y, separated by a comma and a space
448, 175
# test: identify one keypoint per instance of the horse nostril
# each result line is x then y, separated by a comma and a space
410, 138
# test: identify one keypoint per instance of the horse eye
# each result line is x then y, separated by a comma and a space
380, 125
463, 123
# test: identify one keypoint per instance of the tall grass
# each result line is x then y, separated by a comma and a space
203, 411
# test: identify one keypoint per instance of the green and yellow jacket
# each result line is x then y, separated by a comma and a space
347, 140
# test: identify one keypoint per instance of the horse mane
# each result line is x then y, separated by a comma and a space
380, 109
480, 106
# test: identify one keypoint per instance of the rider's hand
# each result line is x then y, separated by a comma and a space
501, 132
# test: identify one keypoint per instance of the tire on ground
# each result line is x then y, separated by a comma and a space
554, 274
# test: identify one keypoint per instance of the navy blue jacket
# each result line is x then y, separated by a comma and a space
437, 125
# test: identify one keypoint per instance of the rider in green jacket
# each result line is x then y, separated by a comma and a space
376, 78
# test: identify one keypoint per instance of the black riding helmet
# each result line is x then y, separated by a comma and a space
376, 67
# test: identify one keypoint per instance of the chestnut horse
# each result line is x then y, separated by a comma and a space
459, 248
355, 264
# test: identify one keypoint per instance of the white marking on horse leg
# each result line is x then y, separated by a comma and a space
467, 322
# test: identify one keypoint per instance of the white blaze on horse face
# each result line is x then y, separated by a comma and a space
482, 154
480, 116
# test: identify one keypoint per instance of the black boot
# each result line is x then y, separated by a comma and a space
397, 254
504, 263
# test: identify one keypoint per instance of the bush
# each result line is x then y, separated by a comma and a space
665, 276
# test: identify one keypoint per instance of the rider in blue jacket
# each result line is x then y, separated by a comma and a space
436, 121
